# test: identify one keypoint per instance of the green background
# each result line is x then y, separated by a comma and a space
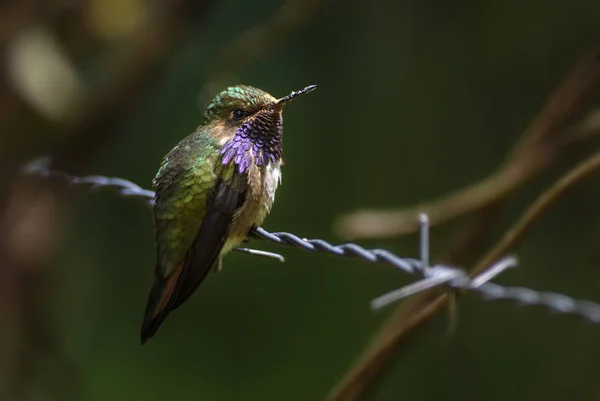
414, 99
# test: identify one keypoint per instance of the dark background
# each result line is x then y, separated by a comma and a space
415, 99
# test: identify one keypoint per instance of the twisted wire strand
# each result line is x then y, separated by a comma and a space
433, 276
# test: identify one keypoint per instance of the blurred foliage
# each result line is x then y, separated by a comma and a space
415, 99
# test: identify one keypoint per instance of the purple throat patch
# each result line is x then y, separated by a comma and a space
258, 139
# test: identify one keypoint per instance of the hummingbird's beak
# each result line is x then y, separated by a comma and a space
282, 101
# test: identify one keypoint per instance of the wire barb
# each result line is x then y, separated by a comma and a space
433, 276
262, 254
424, 242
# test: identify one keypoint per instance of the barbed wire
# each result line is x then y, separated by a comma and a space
432, 276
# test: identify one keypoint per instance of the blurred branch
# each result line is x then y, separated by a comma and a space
43, 74
539, 145
17, 17
32, 215
405, 320
256, 42
29, 234
150, 50
379, 224
516, 233
16, 14
537, 148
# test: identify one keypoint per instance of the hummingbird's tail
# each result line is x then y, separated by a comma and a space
158, 301
167, 294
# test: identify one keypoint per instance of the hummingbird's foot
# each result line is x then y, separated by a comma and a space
263, 254
251, 235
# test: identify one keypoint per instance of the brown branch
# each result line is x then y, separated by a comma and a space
32, 215
16, 18
418, 311
382, 223
531, 154
541, 142
150, 48
16, 15
257, 41
516, 233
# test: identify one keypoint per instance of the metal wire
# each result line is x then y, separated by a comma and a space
433, 276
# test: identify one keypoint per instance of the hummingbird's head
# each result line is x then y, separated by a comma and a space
241, 103
252, 117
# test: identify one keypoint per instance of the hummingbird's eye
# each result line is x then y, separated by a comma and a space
239, 114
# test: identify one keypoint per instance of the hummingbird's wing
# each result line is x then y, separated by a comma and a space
196, 198
221, 206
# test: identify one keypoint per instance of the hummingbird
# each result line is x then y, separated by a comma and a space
210, 190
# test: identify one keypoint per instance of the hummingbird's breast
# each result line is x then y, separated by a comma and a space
255, 151
262, 185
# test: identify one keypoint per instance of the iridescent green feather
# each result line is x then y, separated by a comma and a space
186, 179
236, 97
